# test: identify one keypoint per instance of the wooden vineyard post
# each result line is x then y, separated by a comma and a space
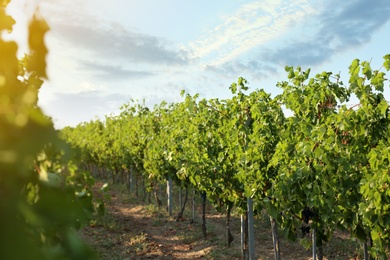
169, 194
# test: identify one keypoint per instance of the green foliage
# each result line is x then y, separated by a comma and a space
330, 157
43, 201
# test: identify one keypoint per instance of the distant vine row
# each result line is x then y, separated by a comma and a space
326, 167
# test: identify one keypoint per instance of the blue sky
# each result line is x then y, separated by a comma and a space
104, 53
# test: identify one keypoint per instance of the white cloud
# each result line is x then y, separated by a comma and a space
252, 25
329, 32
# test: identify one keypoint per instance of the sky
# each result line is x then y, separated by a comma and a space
103, 54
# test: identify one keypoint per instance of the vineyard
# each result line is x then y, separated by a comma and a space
322, 171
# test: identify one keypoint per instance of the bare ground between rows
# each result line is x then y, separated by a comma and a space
132, 229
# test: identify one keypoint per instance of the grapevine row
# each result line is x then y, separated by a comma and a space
321, 169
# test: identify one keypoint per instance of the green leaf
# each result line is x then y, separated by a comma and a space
383, 108
307, 73
352, 68
233, 88
378, 81
319, 152
378, 199
367, 69
386, 63
37, 31
290, 71
376, 238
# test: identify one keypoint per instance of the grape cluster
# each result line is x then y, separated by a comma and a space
307, 215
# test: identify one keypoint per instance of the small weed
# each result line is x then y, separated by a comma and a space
152, 209
139, 243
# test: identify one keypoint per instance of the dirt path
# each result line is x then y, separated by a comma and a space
134, 230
